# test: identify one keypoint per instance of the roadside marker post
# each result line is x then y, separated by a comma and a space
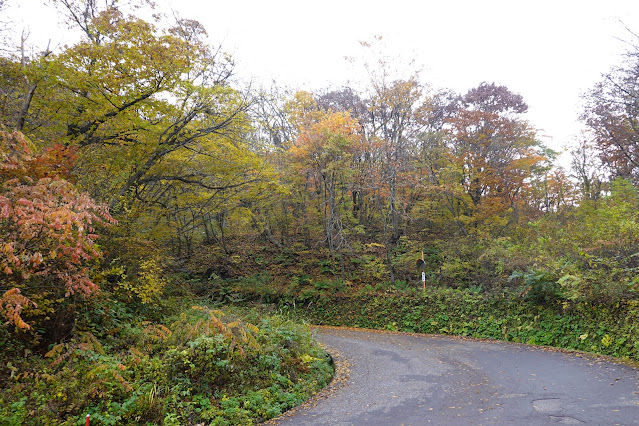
423, 274
87, 422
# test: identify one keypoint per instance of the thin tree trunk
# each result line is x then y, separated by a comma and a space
22, 118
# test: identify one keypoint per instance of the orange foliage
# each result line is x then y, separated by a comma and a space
327, 136
496, 155
11, 304
46, 226
56, 162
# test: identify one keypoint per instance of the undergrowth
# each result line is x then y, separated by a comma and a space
608, 329
202, 366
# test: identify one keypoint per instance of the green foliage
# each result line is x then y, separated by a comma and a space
373, 268
330, 286
203, 366
591, 252
605, 329
539, 286
258, 284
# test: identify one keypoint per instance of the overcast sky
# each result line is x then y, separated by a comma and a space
549, 51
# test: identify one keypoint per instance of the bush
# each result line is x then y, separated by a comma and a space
539, 285
47, 235
203, 366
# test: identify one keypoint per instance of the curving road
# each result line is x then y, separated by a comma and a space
409, 379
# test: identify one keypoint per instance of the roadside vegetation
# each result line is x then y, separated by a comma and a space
201, 365
161, 223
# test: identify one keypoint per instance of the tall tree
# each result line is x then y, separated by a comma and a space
587, 169
324, 149
612, 115
154, 113
348, 100
394, 122
495, 152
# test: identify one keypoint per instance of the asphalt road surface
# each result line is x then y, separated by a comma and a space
409, 379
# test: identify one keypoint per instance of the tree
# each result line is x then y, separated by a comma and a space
348, 100
494, 151
21, 74
159, 128
344, 100
436, 182
271, 123
324, 149
612, 116
587, 169
395, 110
395, 103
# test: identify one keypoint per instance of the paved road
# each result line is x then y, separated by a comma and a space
402, 379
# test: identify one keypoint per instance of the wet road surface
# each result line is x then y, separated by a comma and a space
409, 379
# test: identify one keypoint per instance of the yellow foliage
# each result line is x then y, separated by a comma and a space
147, 284
150, 281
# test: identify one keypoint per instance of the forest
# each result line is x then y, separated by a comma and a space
165, 229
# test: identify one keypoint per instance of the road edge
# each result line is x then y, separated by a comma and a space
338, 382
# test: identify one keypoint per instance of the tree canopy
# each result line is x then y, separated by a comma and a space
147, 118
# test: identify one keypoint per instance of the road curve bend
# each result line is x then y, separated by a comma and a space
410, 379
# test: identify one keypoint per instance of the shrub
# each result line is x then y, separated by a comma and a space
47, 235
205, 366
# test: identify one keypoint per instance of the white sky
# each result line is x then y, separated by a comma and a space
549, 51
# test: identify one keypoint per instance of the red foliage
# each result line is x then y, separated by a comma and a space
46, 226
